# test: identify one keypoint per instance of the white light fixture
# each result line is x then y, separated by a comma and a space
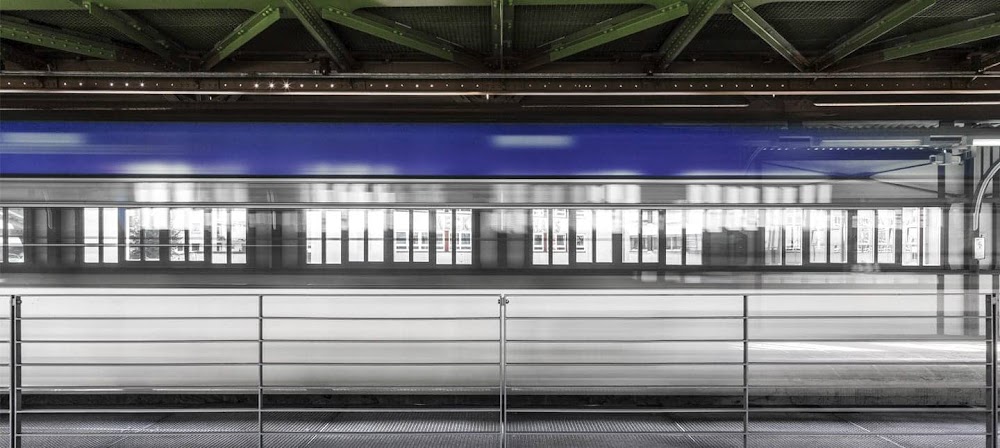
986, 142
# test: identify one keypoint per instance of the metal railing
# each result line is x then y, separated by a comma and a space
749, 366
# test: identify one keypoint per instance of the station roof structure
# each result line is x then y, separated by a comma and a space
802, 59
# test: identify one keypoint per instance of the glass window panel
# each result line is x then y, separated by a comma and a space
220, 236
314, 236
886, 236
932, 236
540, 237
695, 225
560, 236
153, 220
15, 235
713, 220
444, 237
421, 235
605, 224
773, 221
91, 232
333, 233
650, 236
838, 236
239, 233
630, 236
673, 232
356, 235
401, 236
178, 225
751, 220
376, 235
866, 236
818, 223
133, 231
463, 236
110, 224
911, 237
793, 236
584, 236
196, 235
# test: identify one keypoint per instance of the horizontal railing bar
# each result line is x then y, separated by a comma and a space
138, 411
249, 388
126, 318
624, 411
876, 339
137, 341
266, 318
230, 433
752, 363
677, 363
609, 341
476, 410
869, 316
495, 363
379, 386
138, 364
679, 432
740, 410
726, 317
752, 317
856, 410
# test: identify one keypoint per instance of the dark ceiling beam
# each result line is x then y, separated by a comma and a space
989, 62
871, 30
9, 53
771, 36
138, 31
501, 30
609, 30
48, 37
403, 35
681, 36
244, 33
321, 31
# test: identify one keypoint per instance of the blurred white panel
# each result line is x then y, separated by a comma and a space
650, 236
713, 194
220, 235
600, 305
866, 236
584, 236
630, 235
560, 236
165, 353
110, 239
196, 235
421, 236
376, 235
886, 236
851, 328
911, 236
91, 232
381, 352
875, 352
540, 237
773, 223
867, 376
334, 222
445, 238
694, 228
818, 223
625, 329
382, 306
342, 376
604, 224
932, 236
138, 376
625, 352
389, 329
624, 376
356, 235
793, 236
956, 245
673, 232
400, 236
137, 306
139, 330
849, 304
463, 236
838, 236
314, 236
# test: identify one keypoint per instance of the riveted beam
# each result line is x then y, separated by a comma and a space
681, 36
934, 39
765, 31
871, 30
501, 30
321, 31
609, 30
403, 35
17, 55
137, 30
48, 37
244, 33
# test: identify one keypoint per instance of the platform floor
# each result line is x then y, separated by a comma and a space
319, 430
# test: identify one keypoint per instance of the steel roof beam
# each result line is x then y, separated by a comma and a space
137, 30
765, 31
44, 36
681, 36
321, 31
244, 33
934, 39
403, 35
871, 30
11, 53
989, 62
501, 30
609, 30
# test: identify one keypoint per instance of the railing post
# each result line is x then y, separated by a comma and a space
746, 369
503, 370
14, 393
260, 371
991, 374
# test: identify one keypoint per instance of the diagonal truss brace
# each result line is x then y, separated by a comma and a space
48, 37
501, 30
683, 35
607, 31
247, 30
871, 30
403, 35
137, 30
765, 31
321, 31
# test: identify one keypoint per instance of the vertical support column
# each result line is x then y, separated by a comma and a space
15, 371
260, 371
746, 369
991, 374
503, 370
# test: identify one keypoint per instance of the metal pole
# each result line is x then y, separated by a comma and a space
746, 370
991, 374
503, 370
14, 393
260, 371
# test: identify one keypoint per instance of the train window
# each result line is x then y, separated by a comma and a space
604, 224
444, 237
220, 235
772, 237
793, 237
178, 227
400, 236
866, 236
109, 225
932, 236
376, 235
631, 236
463, 233
323, 236
356, 235
421, 235
560, 236
540, 237
650, 236
911, 237
333, 224
98, 248
674, 233
12, 236
695, 227
818, 223
886, 236
838, 236
314, 236
229, 235
584, 236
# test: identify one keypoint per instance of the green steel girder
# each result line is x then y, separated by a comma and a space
871, 30
247, 30
946, 36
135, 29
501, 30
43, 36
402, 35
681, 36
612, 29
346, 5
765, 31
321, 31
